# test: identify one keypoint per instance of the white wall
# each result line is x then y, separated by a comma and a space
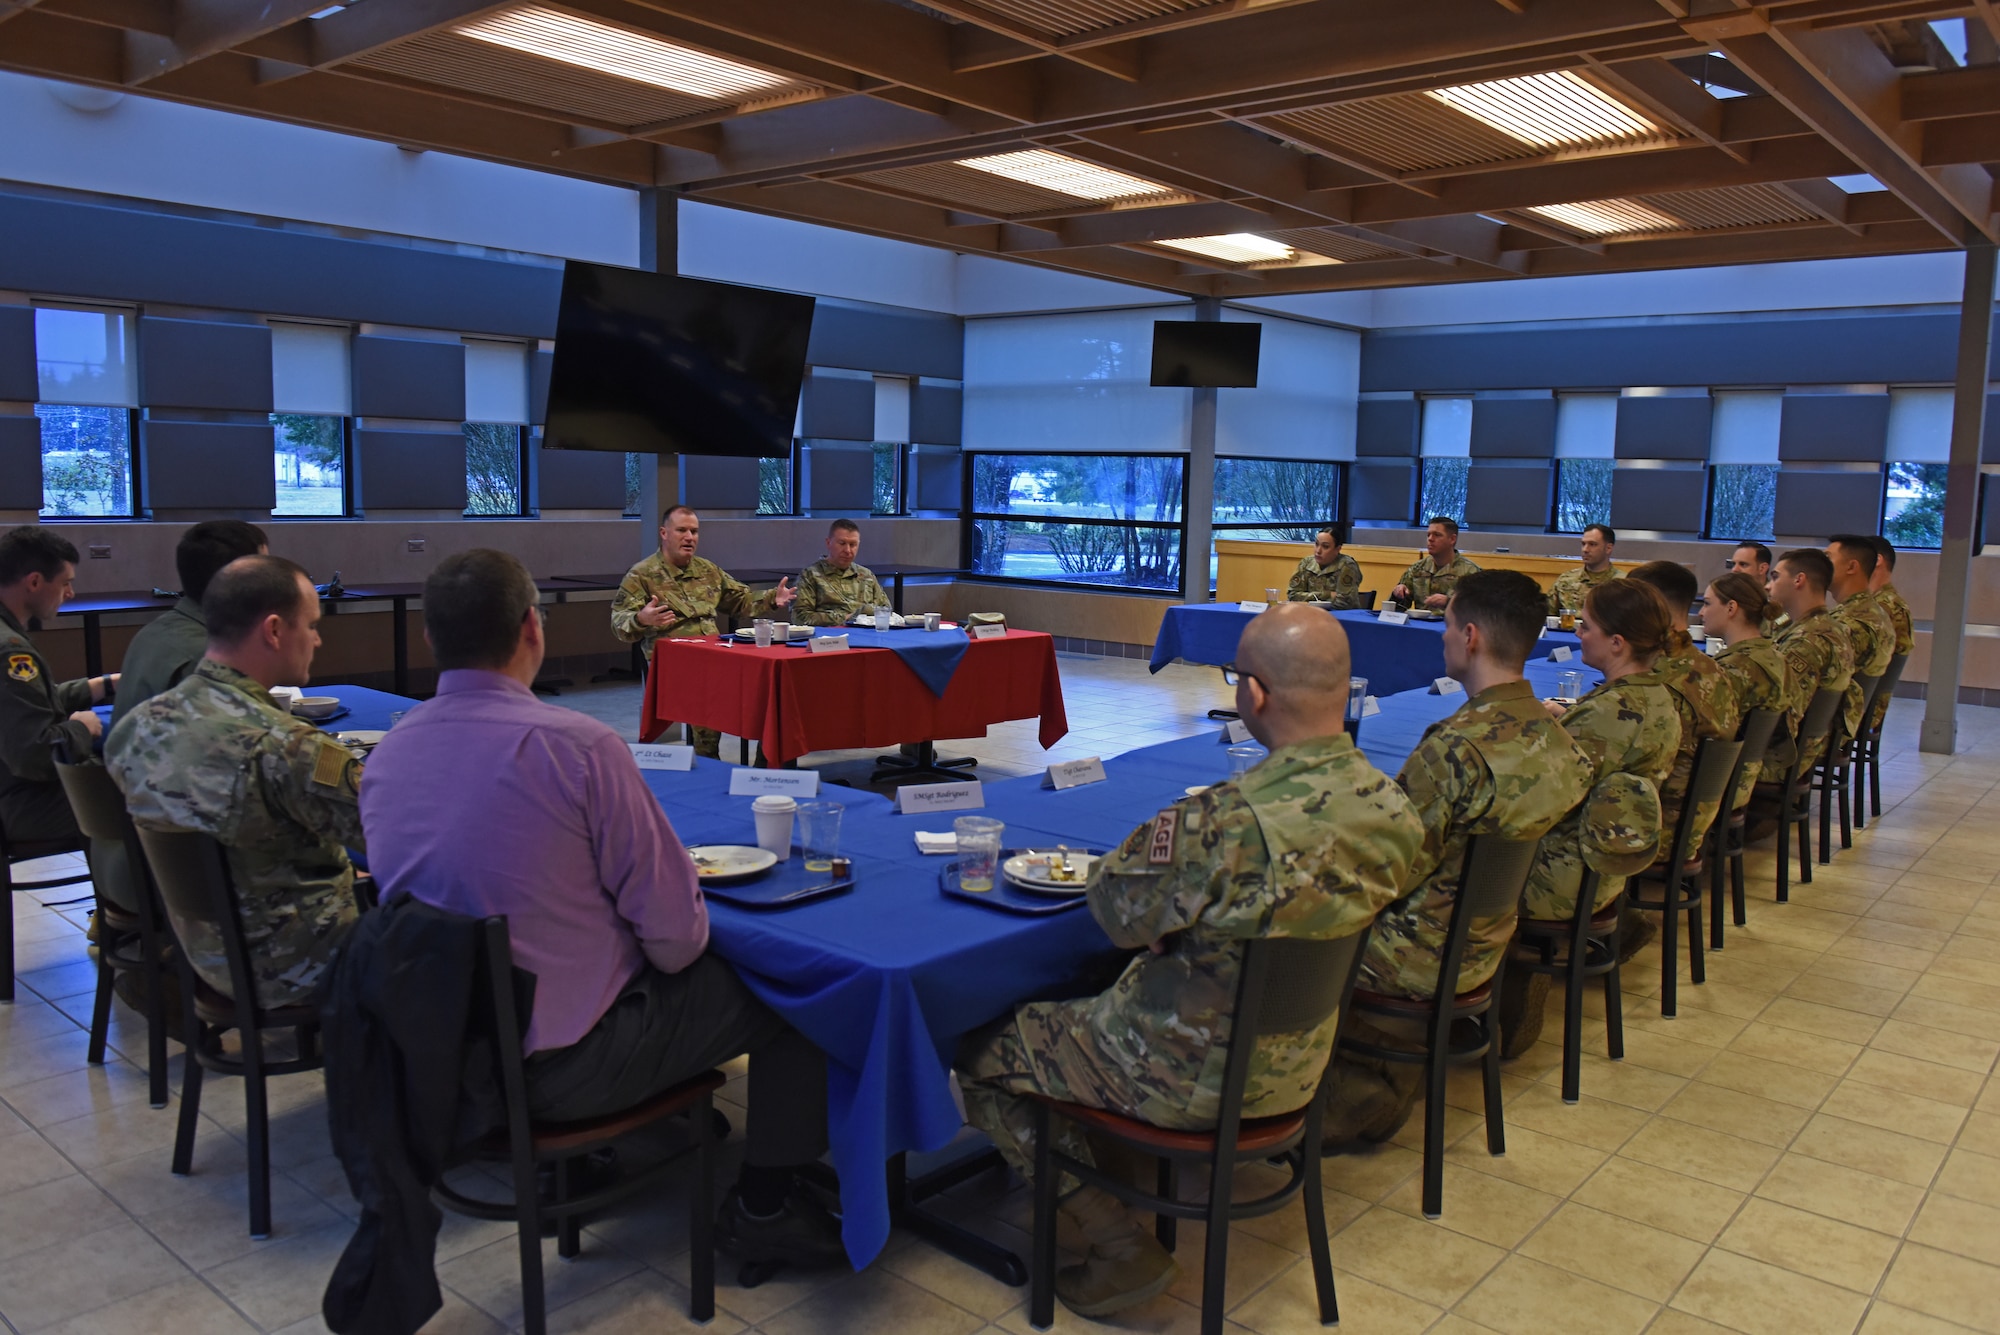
1070, 383
1308, 382
738, 247
987, 286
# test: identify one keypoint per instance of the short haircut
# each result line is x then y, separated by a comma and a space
1884, 550
1859, 546
673, 510
1605, 531
474, 604
1449, 524
33, 550
211, 545
1634, 609
1763, 552
1743, 590
247, 590
1508, 608
1812, 563
1675, 582
1339, 532
843, 525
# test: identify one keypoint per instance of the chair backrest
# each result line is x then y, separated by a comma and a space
1368, 599
1885, 690
1714, 770
1759, 726
99, 806
191, 870
1818, 719
1494, 874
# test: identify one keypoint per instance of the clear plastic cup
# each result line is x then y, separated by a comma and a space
819, 833
1241, 758
763, 628
1357, 696
978, 850
1273, 596
1569, 686
882, 618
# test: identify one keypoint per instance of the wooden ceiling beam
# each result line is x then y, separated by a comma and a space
1950, 93
204, 28
153, 16
1120, 62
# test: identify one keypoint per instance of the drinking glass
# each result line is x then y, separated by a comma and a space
1241, 758
1271, 596
397, 716
1569, 686
882, 615
762, 626
819, 833
978, 850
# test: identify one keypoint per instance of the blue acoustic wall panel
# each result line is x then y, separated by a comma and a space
1386, 428
18, 380
580, 480
1514, 428
207, 465
939, 480
837, 408
1815, 504
1989, 443
834, 478
204, 364
410, 470
538, 388
1834, 427
1668, 500
1664, 428
937, 414
1383, 491
407, 377
1509, 497
891, 339
20, 463
718, 482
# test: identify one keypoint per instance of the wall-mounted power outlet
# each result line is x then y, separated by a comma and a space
100, 551
414, 544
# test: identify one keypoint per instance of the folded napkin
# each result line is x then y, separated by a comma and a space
943, 842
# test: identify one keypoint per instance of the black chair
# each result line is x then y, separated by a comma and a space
126, 942
1795, 799
1835, 773
1732, 827
26, 850
192, 873
1576, 951
1869, 752
1491, 879
1368, 597
1287, 986
526, 1144
1679, 874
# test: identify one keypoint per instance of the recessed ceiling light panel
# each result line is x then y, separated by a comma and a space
1609, 217
620, 52
1235, 248
1065, 175
1553, 111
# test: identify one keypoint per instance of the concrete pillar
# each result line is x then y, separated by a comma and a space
1200, 515
659, 250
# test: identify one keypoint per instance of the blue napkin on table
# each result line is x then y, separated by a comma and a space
932, 654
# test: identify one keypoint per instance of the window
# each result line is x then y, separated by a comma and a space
86, 383
1743, 501
1275, 500
492, 469
888, 491
1743, 459
1913, 512
311, 455
496, 409
1583, 493
1586, 440
633, 490
1446, 445
774, 484
1112, 520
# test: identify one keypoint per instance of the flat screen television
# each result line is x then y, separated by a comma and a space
1206, 353
650, 363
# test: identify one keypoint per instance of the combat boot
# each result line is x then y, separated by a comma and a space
1125, 1265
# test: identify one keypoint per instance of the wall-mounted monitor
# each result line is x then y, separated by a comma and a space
652, 363
1202, 354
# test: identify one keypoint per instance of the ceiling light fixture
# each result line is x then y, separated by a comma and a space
620, 52
1608, 217
1235, 248
1065, 175
1554, 110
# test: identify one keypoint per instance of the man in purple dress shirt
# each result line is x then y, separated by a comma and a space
486, 800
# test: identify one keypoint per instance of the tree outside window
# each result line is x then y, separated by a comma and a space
1087, 519
887, 496
1444, 488
492, 469
1913, 515
774, 485
1583, 494
1743, 501
86, 460
311, 461
1277, 500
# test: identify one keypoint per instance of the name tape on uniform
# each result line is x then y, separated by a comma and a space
1234, 731
923, 798
1446, 686
663, 757
745, 782
1074, 773
1254, 607
1560, 654
988, 632
1160, 848
1389, 616
828, 644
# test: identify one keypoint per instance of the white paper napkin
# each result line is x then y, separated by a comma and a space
940, 842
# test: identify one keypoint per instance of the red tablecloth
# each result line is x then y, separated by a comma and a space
792, 701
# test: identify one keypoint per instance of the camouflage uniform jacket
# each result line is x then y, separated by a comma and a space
1310, 843
1425, 577
1498, 765
830, 596
165, 650
1705, 697
1818, 656
1338, 584
1873, 635
34, 713
1630, 733
1566, 594
1758, 669
694, 594
215, 755
1899, 617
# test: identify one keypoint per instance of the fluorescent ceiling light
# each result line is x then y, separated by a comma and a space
1858, 184
1609, 217
1065, 175
1554, 110
1235, 248
620, 52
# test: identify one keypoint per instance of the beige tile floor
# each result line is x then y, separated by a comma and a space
1812, 1146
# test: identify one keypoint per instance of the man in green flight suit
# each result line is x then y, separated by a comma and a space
214, 754
1869, 627
834, 588
1311, 843
1498, 765
1597, 542
1326, 576
675, 595
169, 646
1430, 578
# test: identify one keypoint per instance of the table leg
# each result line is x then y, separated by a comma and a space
922, 758
906, 1197
896, 593
401, 635
93, 644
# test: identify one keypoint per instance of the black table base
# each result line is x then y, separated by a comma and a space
906, 1209
921, 758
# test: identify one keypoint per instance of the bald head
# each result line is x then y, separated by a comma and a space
1299, 660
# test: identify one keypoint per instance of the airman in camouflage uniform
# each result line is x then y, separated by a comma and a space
1899, 617
831, 596
1819, 656
1873, 635
1757, 669
1425, 578
214, 754
1566, 594
1337, 583
1705, 698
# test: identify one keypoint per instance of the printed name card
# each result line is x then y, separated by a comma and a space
1446, 686
1392, 617
1074, 773
920, 799
1560, 654
1370, 706
987, 632
1234, 731
1254, 607
828, 644
745, 782
663, 757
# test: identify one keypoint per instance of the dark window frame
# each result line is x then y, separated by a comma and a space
1336, 513
346, 464
970, 516
134, 490
523, 508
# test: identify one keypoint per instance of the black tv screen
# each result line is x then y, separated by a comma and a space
651, 363
1206, 353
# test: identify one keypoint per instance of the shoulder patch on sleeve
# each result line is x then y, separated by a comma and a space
1166, 830
330, 764
21, 667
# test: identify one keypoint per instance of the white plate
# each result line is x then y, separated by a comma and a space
1030, 871
730, 862
361, 737
794, 634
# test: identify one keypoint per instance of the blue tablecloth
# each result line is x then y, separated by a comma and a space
934, 655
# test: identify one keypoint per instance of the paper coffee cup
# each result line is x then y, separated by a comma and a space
773, 814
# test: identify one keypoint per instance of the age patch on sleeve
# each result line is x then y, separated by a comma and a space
1166, 828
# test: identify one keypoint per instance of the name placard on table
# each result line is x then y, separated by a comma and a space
746, 782
1370, 706
1074, 773
827, 644
662, 757
923, 798
1446, 686
1560, 654
1236, 730
1254, 607
987, 632
1389, 616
